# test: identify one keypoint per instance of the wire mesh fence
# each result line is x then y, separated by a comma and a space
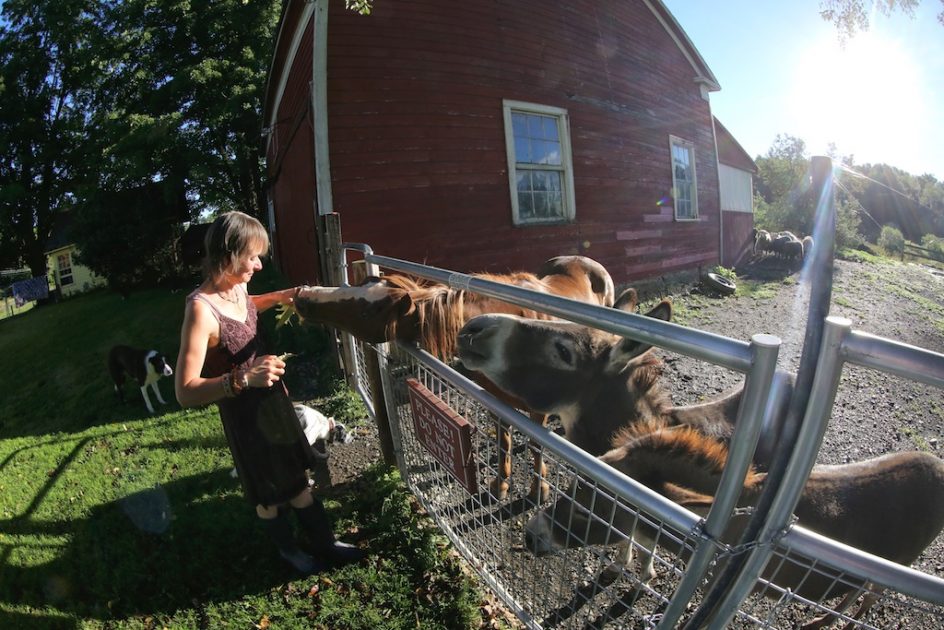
580, 558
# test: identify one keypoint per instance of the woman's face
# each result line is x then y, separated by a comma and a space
247, 265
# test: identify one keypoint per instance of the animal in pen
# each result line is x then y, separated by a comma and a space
398, 307
597, 382
890, 506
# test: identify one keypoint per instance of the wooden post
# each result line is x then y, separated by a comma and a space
375, 384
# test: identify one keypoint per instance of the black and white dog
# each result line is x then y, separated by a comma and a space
146, 367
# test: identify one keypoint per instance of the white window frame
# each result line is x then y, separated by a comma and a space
66, 276
566, 167
675, 141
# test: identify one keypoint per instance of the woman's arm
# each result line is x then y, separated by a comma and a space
268, 300
191, 389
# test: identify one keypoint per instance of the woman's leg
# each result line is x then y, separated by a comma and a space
280, 530
313, 517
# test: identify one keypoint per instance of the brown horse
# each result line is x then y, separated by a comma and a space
596, 382
891, 506
397, 307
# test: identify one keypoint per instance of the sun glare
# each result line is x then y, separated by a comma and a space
865, 98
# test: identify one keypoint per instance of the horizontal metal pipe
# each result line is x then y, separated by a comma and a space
858, 563
895, 358
730, 353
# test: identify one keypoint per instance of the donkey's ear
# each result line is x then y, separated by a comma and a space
628, 349
694, 501
663, 311
627, 300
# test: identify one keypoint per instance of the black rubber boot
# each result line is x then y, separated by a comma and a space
315, 520
280, 531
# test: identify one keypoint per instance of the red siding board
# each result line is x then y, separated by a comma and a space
417, 151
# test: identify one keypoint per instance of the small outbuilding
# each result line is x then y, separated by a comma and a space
488, 137
71, 278
736, 172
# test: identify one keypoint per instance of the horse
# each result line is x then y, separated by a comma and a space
684, 465
399, 307
598, 382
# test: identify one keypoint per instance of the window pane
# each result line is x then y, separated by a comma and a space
522, 149
540, 205
525, 206
554, 180
540, 180
550, 129
555, 203
519, 124
523, 181
535, 126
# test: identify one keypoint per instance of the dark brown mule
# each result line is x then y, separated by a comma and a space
891, 506
595, 381
397, 307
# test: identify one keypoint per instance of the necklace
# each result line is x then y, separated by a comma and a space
233, 299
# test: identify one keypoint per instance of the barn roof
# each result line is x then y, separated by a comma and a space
730, 152
293, 11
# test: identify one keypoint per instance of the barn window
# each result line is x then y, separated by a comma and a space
537, 140
684, 190
64, 262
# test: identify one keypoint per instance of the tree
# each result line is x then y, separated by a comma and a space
185, 97
851, 16
783, 199
43, 70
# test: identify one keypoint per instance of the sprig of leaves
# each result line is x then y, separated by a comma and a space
284, 315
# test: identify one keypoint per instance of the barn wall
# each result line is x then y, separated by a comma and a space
737, 236
417, 148
290, 163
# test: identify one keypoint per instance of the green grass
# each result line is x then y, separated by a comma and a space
112, 518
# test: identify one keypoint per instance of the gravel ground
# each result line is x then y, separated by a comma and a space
874, 413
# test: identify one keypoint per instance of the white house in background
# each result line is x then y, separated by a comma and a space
71, 278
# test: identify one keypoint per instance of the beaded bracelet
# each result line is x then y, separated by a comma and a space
228, 385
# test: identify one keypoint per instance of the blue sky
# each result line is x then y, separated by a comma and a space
781, 70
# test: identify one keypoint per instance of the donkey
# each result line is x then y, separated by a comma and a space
596, 382
398, 307
891, 506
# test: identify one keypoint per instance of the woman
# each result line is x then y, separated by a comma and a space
221, 361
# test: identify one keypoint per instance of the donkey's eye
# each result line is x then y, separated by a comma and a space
563, 353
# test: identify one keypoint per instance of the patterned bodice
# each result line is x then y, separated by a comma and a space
239, 341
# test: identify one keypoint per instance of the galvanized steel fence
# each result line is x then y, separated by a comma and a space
700, 580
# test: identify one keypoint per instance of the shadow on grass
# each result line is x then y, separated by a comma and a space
154, 552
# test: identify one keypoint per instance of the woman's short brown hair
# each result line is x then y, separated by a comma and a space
231, 236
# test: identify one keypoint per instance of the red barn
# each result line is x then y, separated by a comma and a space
486, 137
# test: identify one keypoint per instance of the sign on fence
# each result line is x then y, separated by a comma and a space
444, 433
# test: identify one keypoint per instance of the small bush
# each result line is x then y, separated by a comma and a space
892, 240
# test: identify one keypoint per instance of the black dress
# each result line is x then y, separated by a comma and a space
264, 436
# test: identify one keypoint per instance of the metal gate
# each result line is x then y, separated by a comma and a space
700, 580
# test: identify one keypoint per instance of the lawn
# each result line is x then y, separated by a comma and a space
113, 518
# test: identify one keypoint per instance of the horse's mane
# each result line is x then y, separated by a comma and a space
440, 310
673, 442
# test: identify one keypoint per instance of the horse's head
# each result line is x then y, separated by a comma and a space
375, 312
551, 365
